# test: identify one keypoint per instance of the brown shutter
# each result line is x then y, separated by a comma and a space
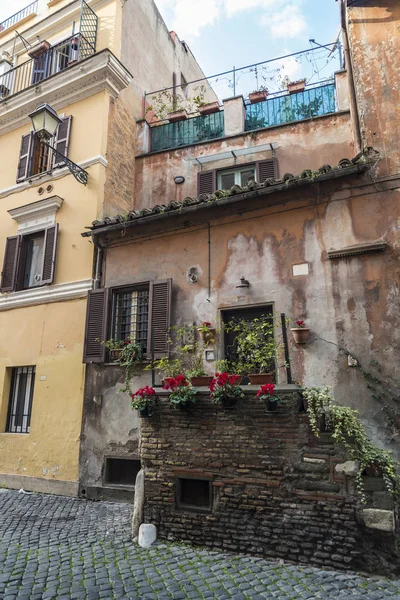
206, 182
159, 318
62, 140
96, 326
50, 247
266, 169
10, 264
25, 157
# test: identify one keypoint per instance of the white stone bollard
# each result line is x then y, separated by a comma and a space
147, 535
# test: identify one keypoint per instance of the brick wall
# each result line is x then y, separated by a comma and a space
274, 489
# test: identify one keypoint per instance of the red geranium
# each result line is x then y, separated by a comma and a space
225, 385
268, 389
172, 383
300, 323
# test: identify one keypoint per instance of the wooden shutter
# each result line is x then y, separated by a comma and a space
10, 264
25, 157
206, 182
50, 247
266, 169
62, 140
96, 326
159, 318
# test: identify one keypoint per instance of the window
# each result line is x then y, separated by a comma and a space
140, 312
36, 158
131, 315
209, 181
121, 471
20, 403
29, 260
195, 494
239, 176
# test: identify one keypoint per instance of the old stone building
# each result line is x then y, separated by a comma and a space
306, 211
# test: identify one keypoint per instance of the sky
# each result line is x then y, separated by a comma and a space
227, 33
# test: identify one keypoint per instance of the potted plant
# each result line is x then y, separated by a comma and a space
198, 377
296, 86
300, 333
258, 95
177, 115
183, 394
225, 389
255, 348
143, 400
125, 353
39, 49
207, 333
267, 393
208, 108
114, 348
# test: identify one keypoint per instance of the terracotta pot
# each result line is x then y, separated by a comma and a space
296, 86
300, 334
39, 49
261, 378
201, 380
208, 336
114, 355
177, 115
209, 108
258, 96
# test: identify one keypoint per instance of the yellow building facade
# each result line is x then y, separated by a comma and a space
72, 56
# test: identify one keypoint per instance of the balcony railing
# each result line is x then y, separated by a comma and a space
21, 14
59, 57
189, 131
312, 102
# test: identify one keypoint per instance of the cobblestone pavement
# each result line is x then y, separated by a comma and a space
64, 548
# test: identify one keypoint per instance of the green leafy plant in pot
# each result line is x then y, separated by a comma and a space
125, 353
255, 348
144, 400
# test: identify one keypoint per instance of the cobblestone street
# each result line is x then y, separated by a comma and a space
56, 547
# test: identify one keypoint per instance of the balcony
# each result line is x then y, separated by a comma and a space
312, 102
21, 15
58, 58
190, 131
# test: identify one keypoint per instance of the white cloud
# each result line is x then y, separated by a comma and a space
188, 17
288, 22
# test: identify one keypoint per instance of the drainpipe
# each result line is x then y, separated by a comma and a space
99, 263
352, 88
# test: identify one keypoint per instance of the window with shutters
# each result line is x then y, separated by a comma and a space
29, 260
36, 158
130, 315
20, 400
224, 179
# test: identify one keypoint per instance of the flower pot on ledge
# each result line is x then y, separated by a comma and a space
209, 108
177, 115
258, 96
296, 86
203, 380
145, 412
261, 378
114, 355
39, 49
300, 334
208, 336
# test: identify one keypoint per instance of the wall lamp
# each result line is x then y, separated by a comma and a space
244, 283
179, 179
45, 122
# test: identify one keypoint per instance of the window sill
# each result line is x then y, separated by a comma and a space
45, 294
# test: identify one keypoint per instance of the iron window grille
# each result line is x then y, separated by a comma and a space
131, 315
21, 396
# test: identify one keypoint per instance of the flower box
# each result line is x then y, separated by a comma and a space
209, 108
261, 378
114, 354
258, 96
296, 86
199, 381
177, 115
39, 49
300, 334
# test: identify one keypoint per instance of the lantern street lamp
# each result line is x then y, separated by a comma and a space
45, 122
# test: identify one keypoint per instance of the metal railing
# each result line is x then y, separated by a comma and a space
190, 131
312, 102
25, 12
56, 59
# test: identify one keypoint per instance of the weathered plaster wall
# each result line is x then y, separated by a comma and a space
303, 145
351, 302
375, 49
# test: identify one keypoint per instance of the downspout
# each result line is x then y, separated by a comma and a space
352, 88
99, 263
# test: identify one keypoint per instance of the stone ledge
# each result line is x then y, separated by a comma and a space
382, 520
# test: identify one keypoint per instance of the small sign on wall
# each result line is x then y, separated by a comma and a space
301, 269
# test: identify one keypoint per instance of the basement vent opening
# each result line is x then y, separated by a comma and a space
121, 471
194, 493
